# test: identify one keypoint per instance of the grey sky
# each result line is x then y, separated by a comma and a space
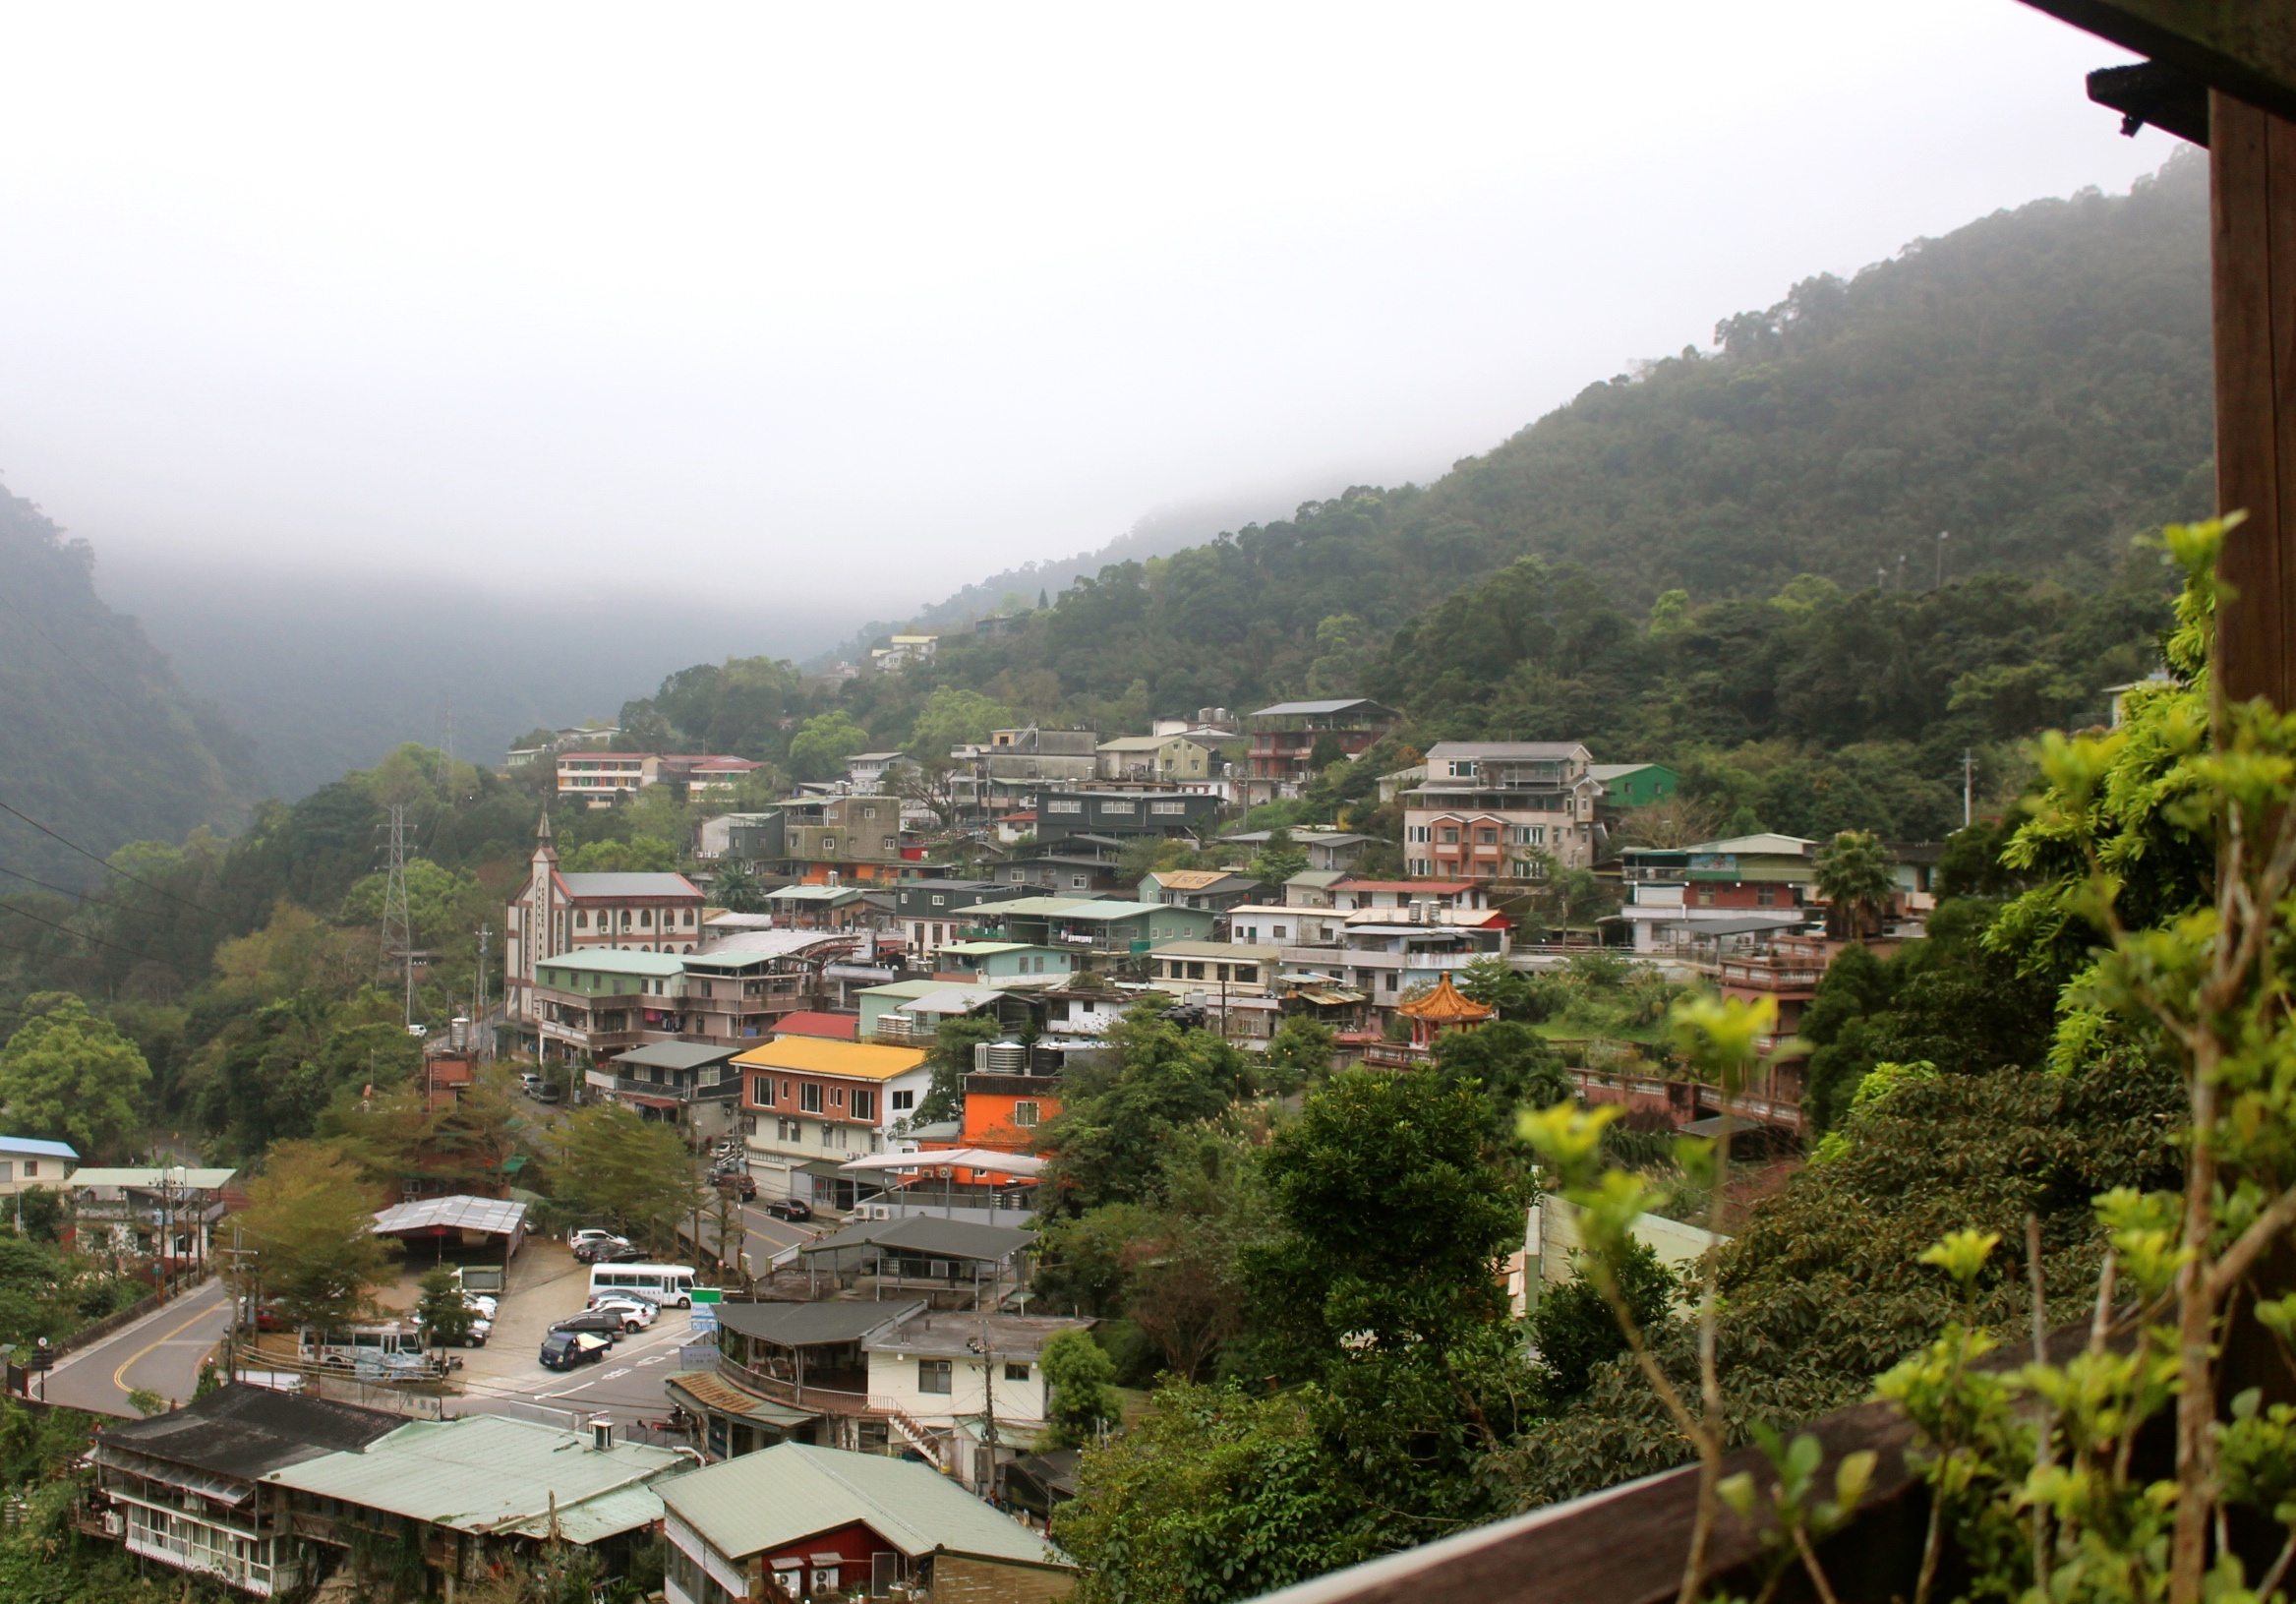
843, 307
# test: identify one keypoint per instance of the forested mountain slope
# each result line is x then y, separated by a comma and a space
98, 740
2037, 383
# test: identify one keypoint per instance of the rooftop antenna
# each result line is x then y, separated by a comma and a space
397, 921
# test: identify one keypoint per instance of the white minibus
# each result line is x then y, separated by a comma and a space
671, 1285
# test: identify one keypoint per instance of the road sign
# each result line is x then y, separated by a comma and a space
708, 1295
705, 1318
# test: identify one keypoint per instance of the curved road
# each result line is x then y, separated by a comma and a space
158, 1353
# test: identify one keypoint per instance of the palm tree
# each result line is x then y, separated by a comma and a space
1856, 878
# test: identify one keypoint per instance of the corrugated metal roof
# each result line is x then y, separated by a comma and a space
802, 1325
458, 1213
613, 961
921, 1234
1028, 906
818, 1055
36, 1148
199, 1180
629, 885
240, 1431
483, 1473
713, 1391
675, 1054
1339, 706
783, 1494
596, 1518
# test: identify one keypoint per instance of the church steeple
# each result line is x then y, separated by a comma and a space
542, 848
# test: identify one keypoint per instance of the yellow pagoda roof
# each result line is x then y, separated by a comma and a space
1446, 1005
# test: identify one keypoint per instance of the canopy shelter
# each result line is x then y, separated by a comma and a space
972, 1179
473, 1221
1446, 1005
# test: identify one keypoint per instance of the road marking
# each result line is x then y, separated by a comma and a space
612, 1375
571, 1391
655, 1358
120, 1376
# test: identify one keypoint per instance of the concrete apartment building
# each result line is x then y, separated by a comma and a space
1500, 809
810, 1105
599, 778
1154, 758
858, 838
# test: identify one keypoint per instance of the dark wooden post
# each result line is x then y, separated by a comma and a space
2252, 207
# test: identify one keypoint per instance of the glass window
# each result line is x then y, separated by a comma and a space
809, 1098
1024, 1114
864, 1105
904, 1101
933, 1376
1016, 1372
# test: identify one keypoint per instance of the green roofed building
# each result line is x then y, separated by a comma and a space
798, 1522
460, 1494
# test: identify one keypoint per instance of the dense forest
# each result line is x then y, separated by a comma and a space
98, 733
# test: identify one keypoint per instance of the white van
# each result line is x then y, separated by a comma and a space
671, 1285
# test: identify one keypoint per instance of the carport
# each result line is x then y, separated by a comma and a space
465, 1221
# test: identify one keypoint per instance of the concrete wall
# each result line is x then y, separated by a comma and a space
1551, 1237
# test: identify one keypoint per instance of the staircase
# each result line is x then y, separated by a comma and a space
924, 1441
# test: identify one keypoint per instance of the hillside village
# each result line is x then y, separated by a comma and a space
1630, 1063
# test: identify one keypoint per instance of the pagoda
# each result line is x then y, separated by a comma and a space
1446, 1005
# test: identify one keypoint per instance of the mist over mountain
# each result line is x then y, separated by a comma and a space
323, 674
102, 743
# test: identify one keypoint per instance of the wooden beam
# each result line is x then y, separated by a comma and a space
2244, 47
2252, 162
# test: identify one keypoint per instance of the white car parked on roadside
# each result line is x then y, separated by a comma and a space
636, 1313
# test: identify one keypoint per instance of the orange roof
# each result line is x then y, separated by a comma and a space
1446, 1005
812, 1055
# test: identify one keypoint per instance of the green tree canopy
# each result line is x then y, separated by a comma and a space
952, 717
1855, 875
310, 1221
1082, 1378
634, 1174
820, 748
67, 1076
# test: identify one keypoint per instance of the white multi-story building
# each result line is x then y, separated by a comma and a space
1502, 810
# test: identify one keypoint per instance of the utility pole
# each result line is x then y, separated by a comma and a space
988, 1410
479, 991
1967, 770
397, 921
1941, 534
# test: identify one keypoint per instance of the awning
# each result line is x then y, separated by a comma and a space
645, 1101
1002, 1163
714, 1395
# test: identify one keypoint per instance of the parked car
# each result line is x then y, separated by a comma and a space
591, 1233
563, 1350
548, 1094
475, 1334
480, 1304
636, 1313
268, 1317
596, 1322
743, 1187
615, 1253
790, 1209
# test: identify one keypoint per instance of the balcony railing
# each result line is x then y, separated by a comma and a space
827, 1400
604, 1082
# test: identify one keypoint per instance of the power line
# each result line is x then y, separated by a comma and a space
108, 867
61, 890
81, 936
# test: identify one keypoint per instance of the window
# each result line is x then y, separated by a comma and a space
832, 1135
1489, 838
932, 1376
789, 1130
1024, 1114
7, 1170
1450, 836
864, 1105
1064, 807
889, 843
646, 917
837, 1096
1113, 807
1077, 880
785, 1091
688, 918
809, 1098
581, 920
939, 900
904, 1101
1390, 980
829, 845
1016, 1372
1766, 897
1247, 974
1706, 896
1168, 807
31, 1169
1196, 971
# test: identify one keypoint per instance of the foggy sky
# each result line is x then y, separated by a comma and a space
840, 308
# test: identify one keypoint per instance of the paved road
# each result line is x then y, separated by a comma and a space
159, 1353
